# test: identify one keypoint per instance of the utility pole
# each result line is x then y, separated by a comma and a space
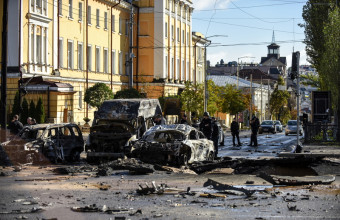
205, 76
251, 96
295, 71
261, 100
131, 55
4, 70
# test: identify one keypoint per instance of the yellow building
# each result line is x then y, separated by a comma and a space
59, 48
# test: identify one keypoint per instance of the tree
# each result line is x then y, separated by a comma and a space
32, 110
192, 98
278, 102
24, 114
233, 100
16, 110
128, 94
310, 79
214, 98
97, 94
40, 111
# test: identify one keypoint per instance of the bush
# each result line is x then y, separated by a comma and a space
40, 111
32, 110
128, 94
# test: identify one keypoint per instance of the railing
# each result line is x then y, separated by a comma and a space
320, 132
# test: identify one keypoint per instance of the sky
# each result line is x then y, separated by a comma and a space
247, 28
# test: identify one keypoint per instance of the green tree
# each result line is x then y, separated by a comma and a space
192, 98
233, 100
40, 111
278, 102
16, 110
97, 94
128, 94
214, 98
310, 79
24, 114
32, 110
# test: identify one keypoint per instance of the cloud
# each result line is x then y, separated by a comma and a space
209, 4
216, 57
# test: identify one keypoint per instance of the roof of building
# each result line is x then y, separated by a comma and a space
257, 74
223, 80
283, 60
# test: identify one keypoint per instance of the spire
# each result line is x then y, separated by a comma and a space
273, 38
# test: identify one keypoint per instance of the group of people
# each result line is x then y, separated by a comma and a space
210, 129
15, 126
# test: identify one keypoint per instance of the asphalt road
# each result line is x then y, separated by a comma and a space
269, 145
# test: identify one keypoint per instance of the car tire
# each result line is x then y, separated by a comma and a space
184, 158
286, 134
222, 143
211, 156
74, 155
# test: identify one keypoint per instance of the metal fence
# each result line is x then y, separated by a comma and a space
320, 133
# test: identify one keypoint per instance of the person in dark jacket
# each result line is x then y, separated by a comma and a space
206, 126
184, 119
254, 124
235, 130
215, 134
15, 125
159, 120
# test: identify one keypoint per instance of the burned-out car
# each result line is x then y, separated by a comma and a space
45, 142
116, 123
174, 144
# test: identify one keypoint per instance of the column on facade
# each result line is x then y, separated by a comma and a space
180, 5
42, 61
29, 46
169, 40
34, 5
175, 42
34, 45
46, 49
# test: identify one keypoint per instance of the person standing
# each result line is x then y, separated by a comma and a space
235, 130
159, 120
206, 126
184, 119
254, 124
15, 125
215, 134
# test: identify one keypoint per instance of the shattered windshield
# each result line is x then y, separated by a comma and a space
164, 136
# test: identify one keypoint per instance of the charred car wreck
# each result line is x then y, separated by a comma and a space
44, 142
116, 123
173, 144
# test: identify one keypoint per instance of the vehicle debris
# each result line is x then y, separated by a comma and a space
153, 189
212, 195
297, 180
116, 123
177, 144
222, 187
133, 165
22, 211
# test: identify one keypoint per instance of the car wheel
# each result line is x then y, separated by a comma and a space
211, 156
184, 158
222, 143
75, 155
286, 134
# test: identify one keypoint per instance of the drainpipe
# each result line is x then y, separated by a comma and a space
19, 60
137, 53
87, 54
111, 44
131, 49
58, 61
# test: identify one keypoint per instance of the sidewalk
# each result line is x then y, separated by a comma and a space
316, 150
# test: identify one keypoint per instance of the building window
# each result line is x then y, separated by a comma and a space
106, 61
80, 11
172, 68
113, 62
89, 57
187, 71
70, 7
172, 6
61, 52
166, 66
70, 54
60, 7
183, 70
183, 37
89, 15
97, 59
172, 32
120, 62
38, 3
80, 100
97, 18
126, 27
80, 56
113, 23
38, 48
178, 39
178, 9
187, 38
127, 64
105, 20
166, 29
120, 25
166, 4
178, 68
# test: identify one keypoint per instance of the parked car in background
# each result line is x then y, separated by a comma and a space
267, 126
45, 142
175, 144
221, 134
278, 126
291, 128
